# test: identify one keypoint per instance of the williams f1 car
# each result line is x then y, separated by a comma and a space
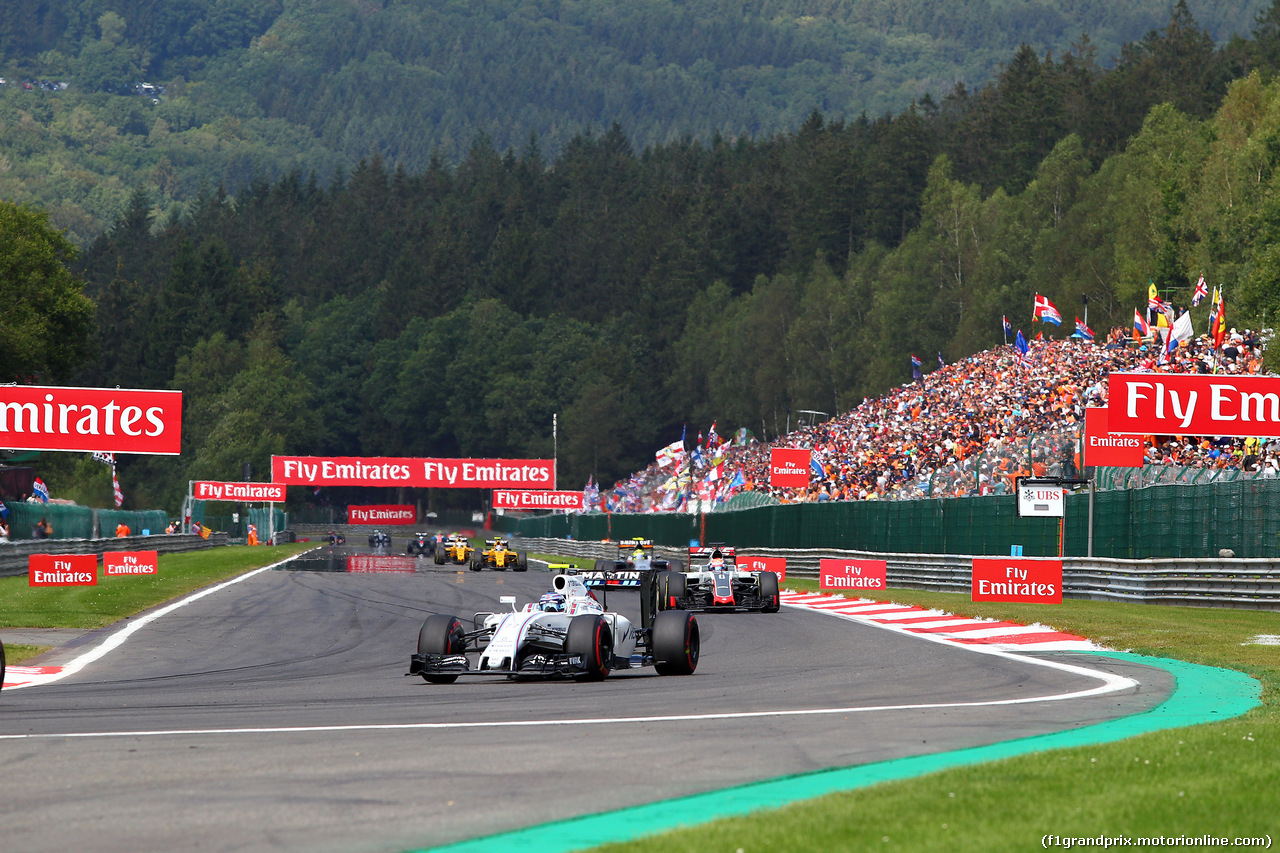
567, 632
497, 554
635, 556
717, 584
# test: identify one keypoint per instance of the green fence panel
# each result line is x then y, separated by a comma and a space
68, 521
153, 520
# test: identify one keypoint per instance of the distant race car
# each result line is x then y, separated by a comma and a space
337, 538
379, 539
421, 545
456, 549
635, 556
567, 632
497, 554
714, 582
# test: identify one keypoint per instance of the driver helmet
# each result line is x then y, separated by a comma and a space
717, 559
638, 555
551, 602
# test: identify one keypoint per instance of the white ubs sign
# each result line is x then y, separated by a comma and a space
1045, 501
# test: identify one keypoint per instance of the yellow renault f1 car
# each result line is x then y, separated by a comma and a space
456, 550
498, 555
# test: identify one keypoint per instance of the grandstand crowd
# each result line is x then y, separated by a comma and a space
968, 428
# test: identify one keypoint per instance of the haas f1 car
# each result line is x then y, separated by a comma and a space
567, 632
714, 582
497, 554
635, 557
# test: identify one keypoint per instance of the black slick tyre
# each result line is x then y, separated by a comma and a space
476, 563
769, 592
675, 643
441, 635
522, 562
589, 636
673, 590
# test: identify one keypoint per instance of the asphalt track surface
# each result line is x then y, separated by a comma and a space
274, 715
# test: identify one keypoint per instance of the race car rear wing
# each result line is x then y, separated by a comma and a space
706, 551
628, 545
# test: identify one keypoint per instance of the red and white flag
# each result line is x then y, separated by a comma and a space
115, 487
1046, 312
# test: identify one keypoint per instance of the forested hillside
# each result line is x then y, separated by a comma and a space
238, 88
453, 310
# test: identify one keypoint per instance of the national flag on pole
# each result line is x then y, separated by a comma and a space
941, 363
671, 453
115, 488
915, 367
40, 490
1008, 327
1046, 312
1039, 336
815, 468
1140, 325
1083, 331
739, 480
1021, 345
1202, 290
105, 458
713, 440
1153, 297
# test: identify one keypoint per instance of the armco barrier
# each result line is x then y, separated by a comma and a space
1240, 583
13, 555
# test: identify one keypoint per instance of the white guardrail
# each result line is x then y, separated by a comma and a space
1219, 582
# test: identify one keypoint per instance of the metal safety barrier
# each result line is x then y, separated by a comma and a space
1252, 584
13, 555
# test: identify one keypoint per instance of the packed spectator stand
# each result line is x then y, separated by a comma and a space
969, 428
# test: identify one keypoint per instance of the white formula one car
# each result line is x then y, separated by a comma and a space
717, 584
565, 633
635, 556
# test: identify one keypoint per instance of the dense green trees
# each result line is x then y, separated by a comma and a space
46, 321
260, 88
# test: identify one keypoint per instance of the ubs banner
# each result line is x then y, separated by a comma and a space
406, 471
1017, 579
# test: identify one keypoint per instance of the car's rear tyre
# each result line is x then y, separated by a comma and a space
441, 635
476, 563
522, 562
676, 642
673, 591
1, 665
590, 637
769, 592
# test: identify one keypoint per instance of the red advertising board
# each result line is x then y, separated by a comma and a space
407, 471
1017, 579
777, 565
206, 490
508, 499
853, 574
789, 467
107, 420
384, 514
1193, 404
1109, 448
378, 564
118, 563
62, 570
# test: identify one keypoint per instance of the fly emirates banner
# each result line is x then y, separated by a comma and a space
405, 471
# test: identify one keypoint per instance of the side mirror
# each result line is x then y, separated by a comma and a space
508, 599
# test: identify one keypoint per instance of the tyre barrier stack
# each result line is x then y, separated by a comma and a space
1251, 584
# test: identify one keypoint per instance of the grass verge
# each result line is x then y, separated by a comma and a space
18, 653
113, 599
1218, 779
